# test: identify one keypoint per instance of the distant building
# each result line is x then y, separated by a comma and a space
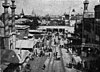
87, 27
22, 31
57, 28
22, 28
97, 23
97, 11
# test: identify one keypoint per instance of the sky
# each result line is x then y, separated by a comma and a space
52, 7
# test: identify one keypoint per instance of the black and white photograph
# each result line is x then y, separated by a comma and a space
49, 35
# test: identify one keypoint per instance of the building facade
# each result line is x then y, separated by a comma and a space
97, 22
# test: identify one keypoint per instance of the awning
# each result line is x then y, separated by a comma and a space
25, 44
8, 56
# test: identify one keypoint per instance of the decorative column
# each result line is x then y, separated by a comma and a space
6, 25
13, 29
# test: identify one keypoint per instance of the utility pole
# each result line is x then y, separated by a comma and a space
6, 25
13, 30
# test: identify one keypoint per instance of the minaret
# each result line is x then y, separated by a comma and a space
6, 28
13, 7
86, 2
13, 30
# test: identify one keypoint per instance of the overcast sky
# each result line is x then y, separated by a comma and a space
55, 7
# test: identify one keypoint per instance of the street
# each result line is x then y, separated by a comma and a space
51, 63
55, 61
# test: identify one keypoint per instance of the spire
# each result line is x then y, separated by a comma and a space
22, 13
33, 13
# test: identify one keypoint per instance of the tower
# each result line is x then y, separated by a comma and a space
86, 2
13, 30
6, 26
